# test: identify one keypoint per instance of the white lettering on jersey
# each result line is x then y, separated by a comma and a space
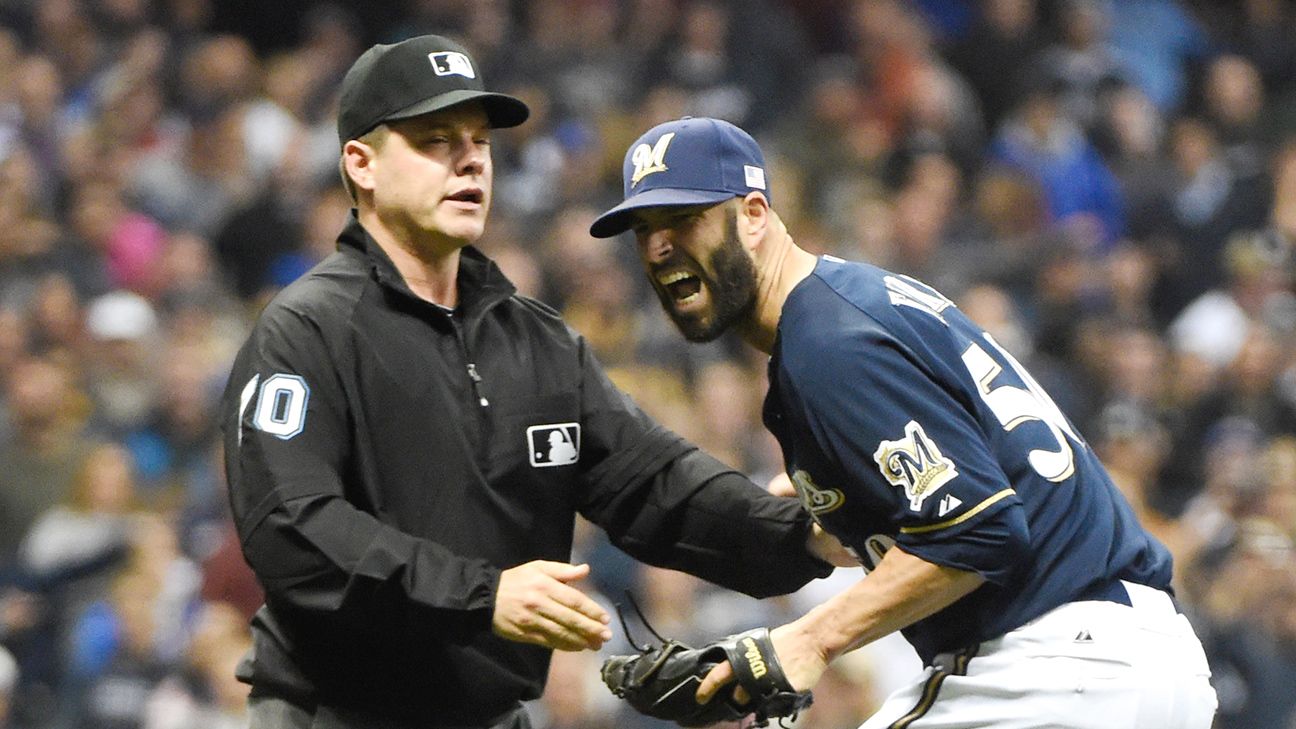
914, 463
905, 291
648, 160
245, 397
1013, 406
281, 405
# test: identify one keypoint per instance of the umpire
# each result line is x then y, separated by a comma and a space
408, 442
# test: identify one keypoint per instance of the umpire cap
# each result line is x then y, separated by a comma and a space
689, 161
417, 76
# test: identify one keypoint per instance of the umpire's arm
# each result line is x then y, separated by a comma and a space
287, 436
668, 504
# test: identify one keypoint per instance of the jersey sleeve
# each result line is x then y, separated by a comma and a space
287, 438
667, 503
905, 440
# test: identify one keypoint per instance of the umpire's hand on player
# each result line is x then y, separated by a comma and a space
781, 485
820, 543
826, 547
535, 603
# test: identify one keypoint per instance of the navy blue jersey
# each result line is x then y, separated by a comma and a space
903, 423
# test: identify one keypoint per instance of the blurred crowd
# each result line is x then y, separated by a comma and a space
1109, 187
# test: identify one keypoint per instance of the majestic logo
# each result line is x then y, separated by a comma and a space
755, 661
452, 63
648, 160
948, 503
914, 463
814, 499
557, 444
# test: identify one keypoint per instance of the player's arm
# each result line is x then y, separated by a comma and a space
668, 504
287, 436
902, 590
959, 522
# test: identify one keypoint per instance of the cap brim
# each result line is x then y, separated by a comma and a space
618, 219
502, 110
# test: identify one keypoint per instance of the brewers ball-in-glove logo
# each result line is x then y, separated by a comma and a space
814, 499
556, 444
914, 463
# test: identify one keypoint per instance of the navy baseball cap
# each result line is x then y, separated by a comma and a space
689, 161
417, 76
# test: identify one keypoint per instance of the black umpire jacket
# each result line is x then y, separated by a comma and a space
386, 460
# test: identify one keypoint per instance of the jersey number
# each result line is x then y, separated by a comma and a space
281, 405
1015, 405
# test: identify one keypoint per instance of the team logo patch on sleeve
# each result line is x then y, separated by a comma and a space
914, 463
815, 499
557, 444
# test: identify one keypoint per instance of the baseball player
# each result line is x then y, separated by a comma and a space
408, 442
994, 538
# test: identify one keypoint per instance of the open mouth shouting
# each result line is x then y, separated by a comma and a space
683, 288
705, 295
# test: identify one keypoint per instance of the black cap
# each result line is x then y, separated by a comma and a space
417, 76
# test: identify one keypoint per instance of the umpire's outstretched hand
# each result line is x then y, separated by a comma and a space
536, 603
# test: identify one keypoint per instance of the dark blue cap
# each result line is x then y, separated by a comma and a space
689, 161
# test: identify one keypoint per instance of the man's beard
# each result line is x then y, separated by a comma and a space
732, 291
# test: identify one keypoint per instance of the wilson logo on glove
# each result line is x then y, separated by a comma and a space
753, 656
662, 681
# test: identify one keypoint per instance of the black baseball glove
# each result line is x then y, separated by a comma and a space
661, 681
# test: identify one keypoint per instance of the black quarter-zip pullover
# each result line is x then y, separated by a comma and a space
387, 459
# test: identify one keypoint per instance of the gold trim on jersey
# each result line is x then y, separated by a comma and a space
962, 517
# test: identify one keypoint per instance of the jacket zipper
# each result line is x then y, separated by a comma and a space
476, 384
485, 425
472, 366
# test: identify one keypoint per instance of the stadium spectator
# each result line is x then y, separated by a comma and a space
146, 148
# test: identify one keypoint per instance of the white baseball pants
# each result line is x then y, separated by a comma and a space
1084, 665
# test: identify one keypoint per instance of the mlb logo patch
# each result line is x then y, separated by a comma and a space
452, 63
557, 444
